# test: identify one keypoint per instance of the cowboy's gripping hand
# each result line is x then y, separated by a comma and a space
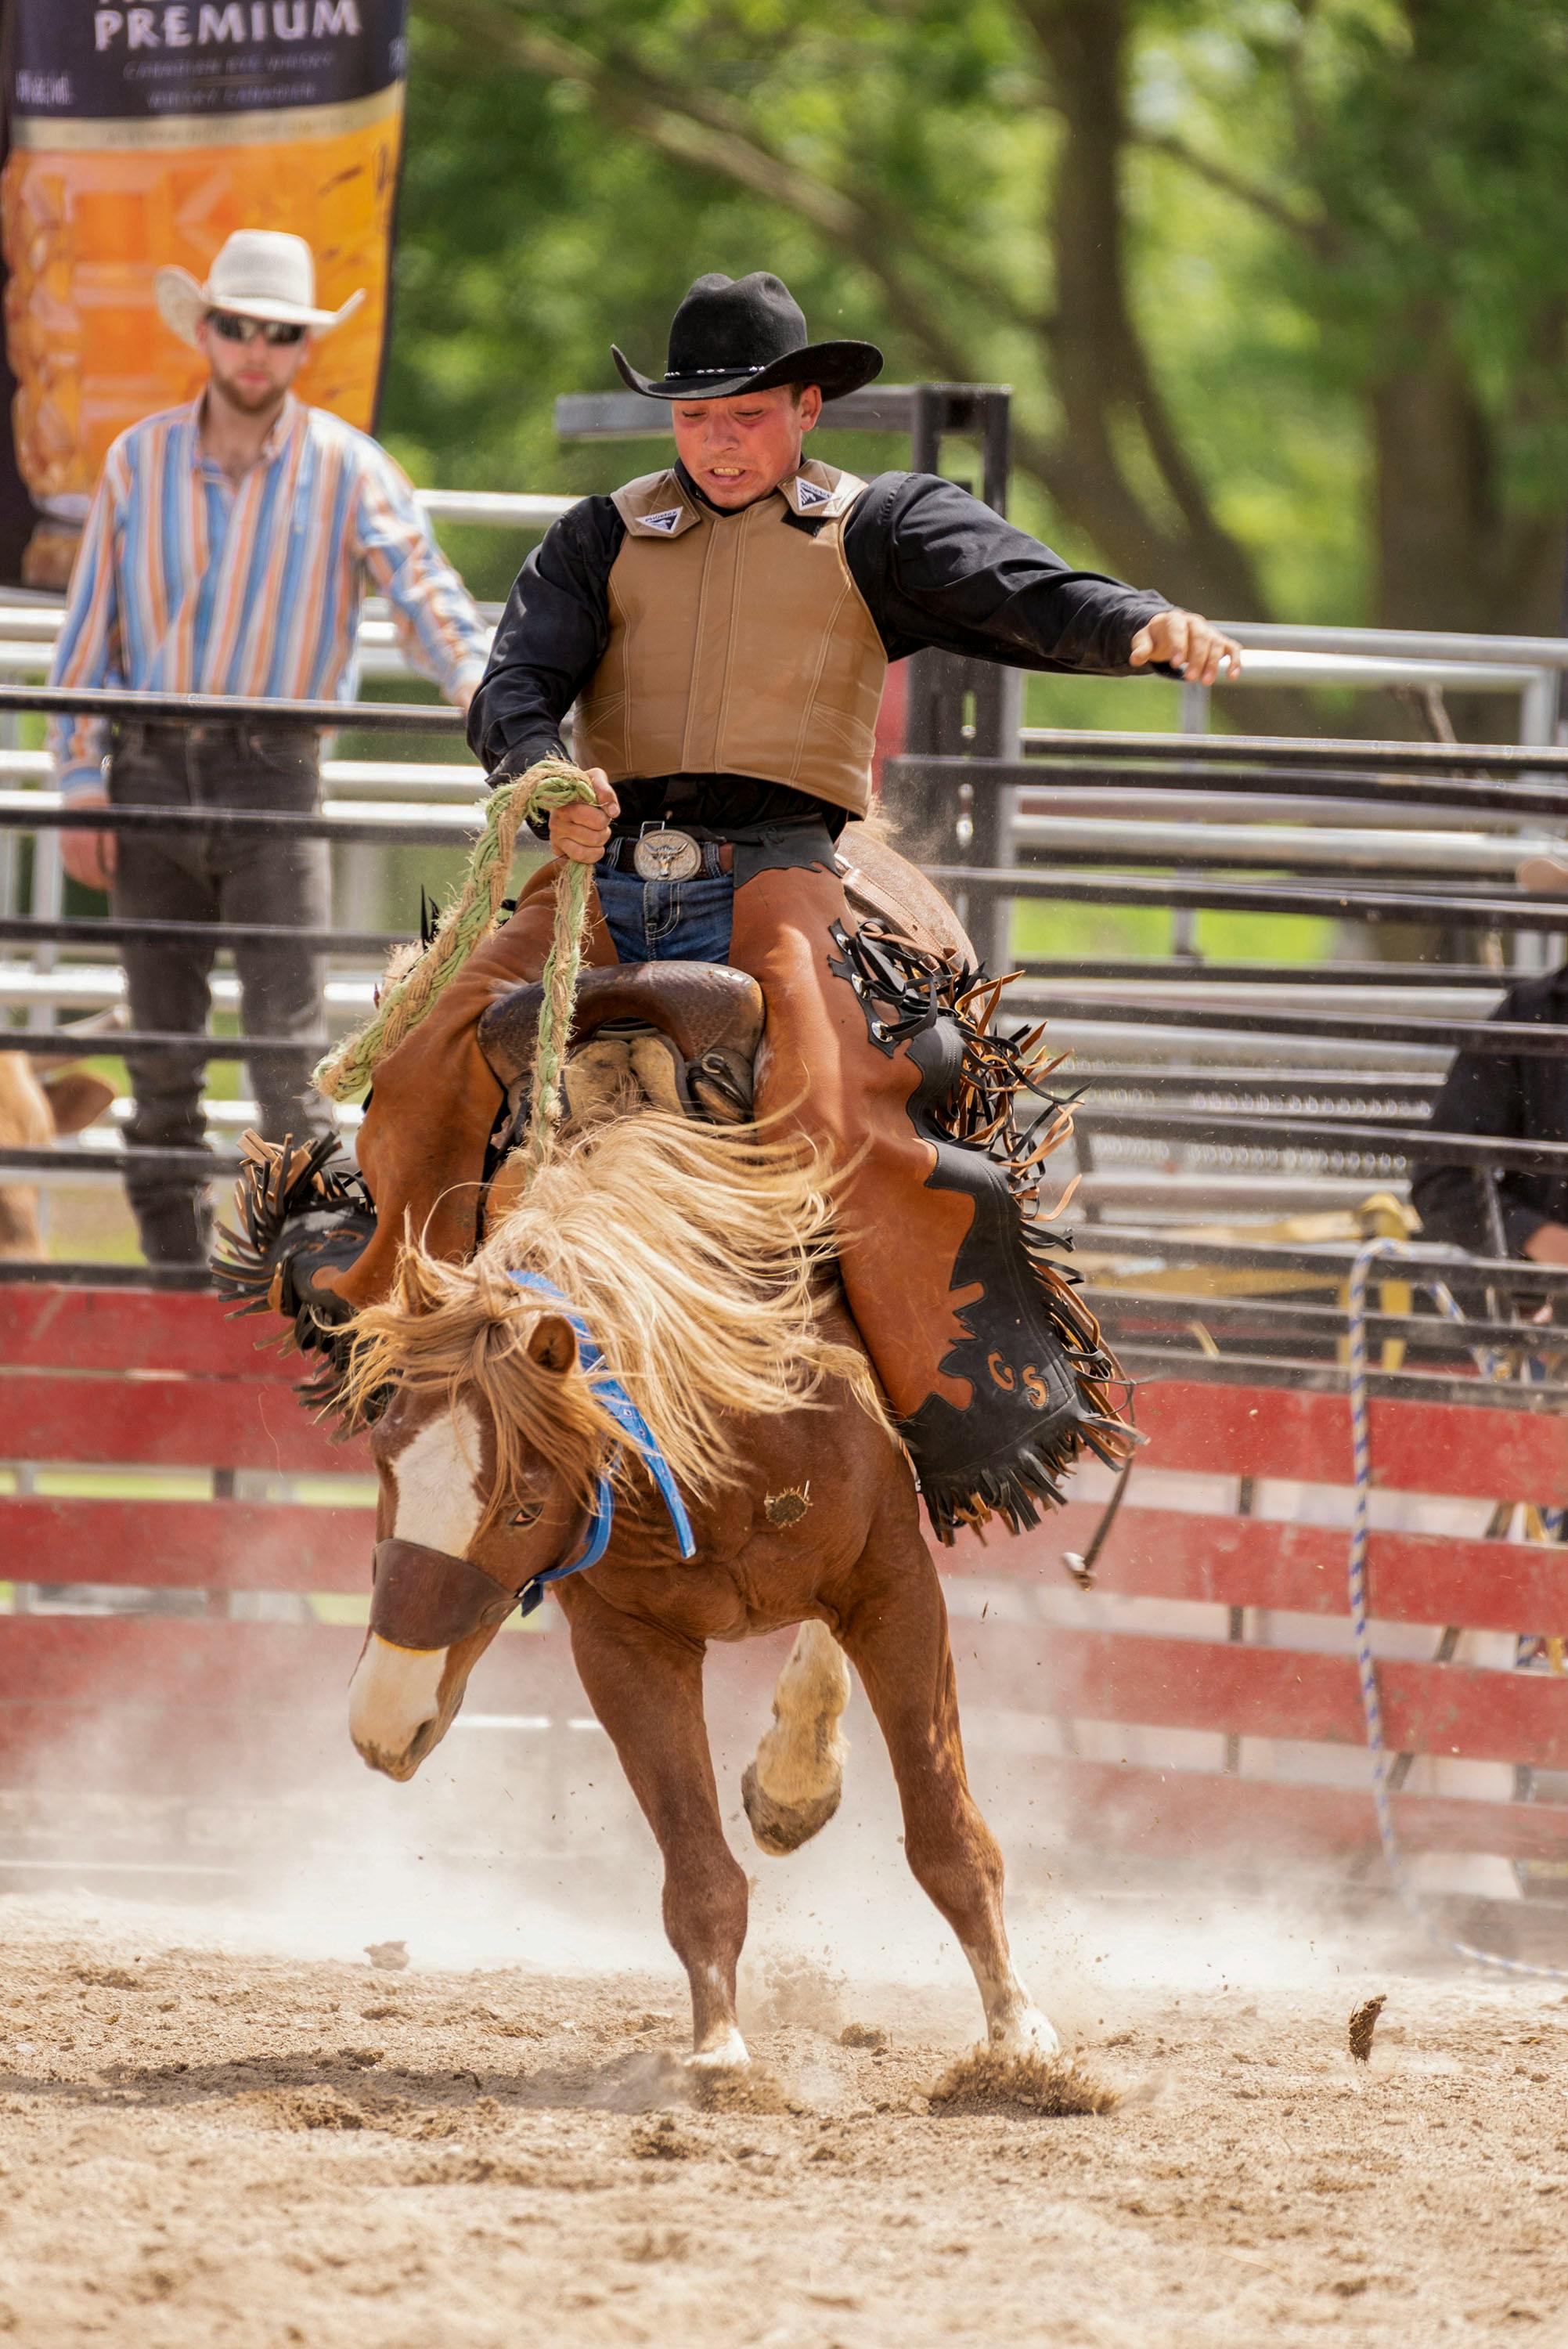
1189, 644
581, 831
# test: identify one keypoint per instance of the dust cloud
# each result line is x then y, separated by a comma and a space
220, 2121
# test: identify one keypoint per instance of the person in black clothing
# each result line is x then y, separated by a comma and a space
722, 630
1517, 1097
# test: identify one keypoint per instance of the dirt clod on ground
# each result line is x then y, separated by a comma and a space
987, 2081
756, 2089
1363, 2023
661, 2137
391, 1957
308, 2108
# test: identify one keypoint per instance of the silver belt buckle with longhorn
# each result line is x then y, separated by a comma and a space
664, 856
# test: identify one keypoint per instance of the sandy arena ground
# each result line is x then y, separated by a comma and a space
207, 2141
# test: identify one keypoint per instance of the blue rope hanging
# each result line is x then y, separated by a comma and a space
609, 1391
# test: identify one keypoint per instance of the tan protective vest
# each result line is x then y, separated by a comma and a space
738, 644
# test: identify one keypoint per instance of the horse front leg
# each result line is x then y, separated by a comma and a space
645, 1687
895, 1634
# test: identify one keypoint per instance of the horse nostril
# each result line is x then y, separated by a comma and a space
395, 1700
400, 1766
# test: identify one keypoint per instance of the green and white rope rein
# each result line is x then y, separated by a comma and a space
549, 784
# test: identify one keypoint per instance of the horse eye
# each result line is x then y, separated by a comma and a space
529, 1515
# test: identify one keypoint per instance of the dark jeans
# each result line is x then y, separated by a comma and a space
670, 921
193, 877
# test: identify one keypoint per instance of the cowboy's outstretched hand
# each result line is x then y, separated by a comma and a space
581, 831
1189, 644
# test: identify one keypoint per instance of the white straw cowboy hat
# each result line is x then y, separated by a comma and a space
259, 273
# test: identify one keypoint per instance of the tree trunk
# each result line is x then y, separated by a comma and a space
1449, 557
1097, 362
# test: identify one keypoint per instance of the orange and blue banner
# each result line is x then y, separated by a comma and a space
139, 136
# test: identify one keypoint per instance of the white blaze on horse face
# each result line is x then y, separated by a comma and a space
438, 1499
394, 1692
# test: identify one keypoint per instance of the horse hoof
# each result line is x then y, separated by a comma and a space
779, 1828
729, 2053
1028, 2034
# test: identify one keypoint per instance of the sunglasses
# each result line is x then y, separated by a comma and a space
245, 331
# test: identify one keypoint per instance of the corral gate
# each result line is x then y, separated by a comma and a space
211, 1699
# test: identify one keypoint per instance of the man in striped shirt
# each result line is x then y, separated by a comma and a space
228, 549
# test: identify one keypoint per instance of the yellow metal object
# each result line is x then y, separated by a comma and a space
1535, 1531
1219, 1279
1384, 1217
1380, 1215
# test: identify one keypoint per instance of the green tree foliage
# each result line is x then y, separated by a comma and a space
1281, 285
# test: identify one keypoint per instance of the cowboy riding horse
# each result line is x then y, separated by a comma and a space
722, 630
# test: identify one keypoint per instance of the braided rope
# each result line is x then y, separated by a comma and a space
1361, 1526
562, 966
549, 784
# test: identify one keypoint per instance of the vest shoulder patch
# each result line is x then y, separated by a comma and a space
665, 522
653, 507
820, 492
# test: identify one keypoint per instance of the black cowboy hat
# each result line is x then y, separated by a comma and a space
748, 333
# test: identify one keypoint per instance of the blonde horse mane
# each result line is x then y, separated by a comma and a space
697, 1257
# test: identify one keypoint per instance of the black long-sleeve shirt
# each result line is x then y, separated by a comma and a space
1517, 1097
934, 565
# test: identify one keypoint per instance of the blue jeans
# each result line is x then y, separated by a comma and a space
670, 921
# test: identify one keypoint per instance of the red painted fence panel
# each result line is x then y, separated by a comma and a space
161, 1422
120, 1329
1263, 1562
1477, 1452
101, 1380
138, 1662
187, 1545
1188, 1814
1245, 1692
152, 1706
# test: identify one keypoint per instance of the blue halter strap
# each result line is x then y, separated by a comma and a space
613, 1395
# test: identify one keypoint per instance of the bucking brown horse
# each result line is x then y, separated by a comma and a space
650, 1352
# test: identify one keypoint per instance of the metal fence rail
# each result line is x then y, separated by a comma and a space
157, 1039
428, 827
1272, 754
94, 931
1326, 850
1452, 909
1242, 1084
1168, 971
1276, 1130
222, 710
1534, 1040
